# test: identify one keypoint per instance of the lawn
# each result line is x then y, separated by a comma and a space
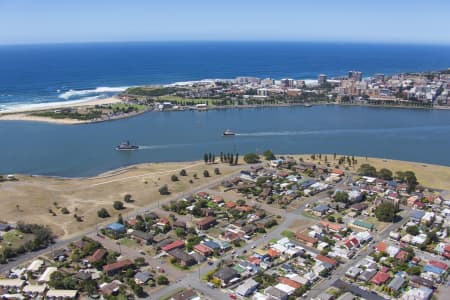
15, 238
289, 234
128, 242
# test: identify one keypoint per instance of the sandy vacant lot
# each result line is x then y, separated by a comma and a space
30, 198
428, 175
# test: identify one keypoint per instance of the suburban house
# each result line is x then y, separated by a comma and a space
183, 258
116, 267
206, 223
226, 275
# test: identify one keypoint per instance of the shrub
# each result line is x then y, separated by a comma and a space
164, 190
206, 173
251, 158
118, 205
183, 172
127, 198
174, 178
103, 213
162, 280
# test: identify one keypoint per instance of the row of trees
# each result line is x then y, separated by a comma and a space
229, 158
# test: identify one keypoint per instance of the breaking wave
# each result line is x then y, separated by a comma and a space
71, 94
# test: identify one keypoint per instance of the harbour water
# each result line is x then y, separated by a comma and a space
85, 150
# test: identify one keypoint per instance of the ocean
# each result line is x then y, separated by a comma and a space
71, 72
50, 73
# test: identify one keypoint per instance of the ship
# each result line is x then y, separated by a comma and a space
126, 146
228, 132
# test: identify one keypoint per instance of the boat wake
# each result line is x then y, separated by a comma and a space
338, 131
151, 147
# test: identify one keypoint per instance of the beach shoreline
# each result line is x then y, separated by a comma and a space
25, 112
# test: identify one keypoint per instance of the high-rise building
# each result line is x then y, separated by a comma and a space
379, 77
322, 79
355, 75
288, 83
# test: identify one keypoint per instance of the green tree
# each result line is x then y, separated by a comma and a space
251, 158
385, 174
164, 190
268, 155
127, 198
236, 158
341, 196
367, 170
162, 280
414, 270
180, 232
385, 212
414, 230
103, 213
205, 158
409, 177
140, 261
118, 205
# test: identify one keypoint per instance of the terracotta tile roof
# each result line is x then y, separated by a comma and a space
305, 238
380, 278
97, 255
206, 221
173, 245
326, 259
117, 265
381, 247
289, 282
230, 204
273, 253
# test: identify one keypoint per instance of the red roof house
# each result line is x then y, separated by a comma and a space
380, 278
326, 259
290, 282
174, 245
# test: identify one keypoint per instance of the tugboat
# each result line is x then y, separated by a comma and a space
126, 146
228, 132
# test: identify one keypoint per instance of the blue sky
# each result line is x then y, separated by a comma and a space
57, 21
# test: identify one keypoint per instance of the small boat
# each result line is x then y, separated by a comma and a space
228, 132
308, 105
126, 146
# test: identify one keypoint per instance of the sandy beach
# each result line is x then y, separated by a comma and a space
23, 113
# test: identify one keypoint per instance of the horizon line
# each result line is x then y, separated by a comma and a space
362, 42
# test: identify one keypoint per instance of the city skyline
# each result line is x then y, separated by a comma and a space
49, 21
